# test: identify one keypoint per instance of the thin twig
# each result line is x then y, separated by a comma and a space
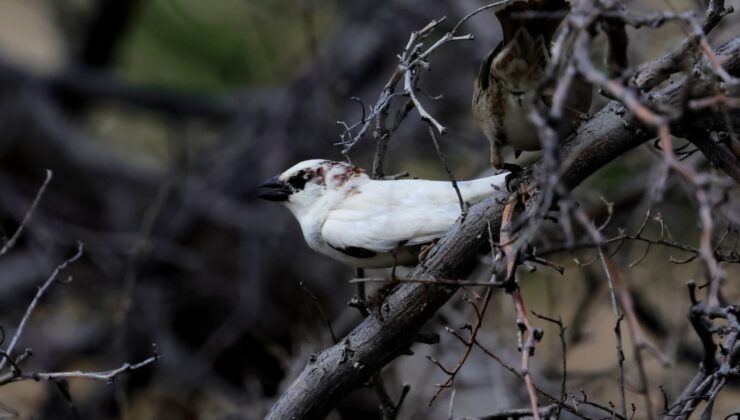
512, 287
52, 278
518, 413
105, 376
27, 217
617, 332
451, 374
463, 207
638, 341
542, 392
320, 309
563, 351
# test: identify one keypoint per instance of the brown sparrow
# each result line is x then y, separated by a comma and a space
505, 89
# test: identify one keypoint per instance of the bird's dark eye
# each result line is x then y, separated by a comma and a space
298, 181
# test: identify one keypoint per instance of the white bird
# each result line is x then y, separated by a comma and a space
368, 223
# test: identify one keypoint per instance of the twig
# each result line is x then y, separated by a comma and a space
409, 88
520, 375
387, 405
563, 350
515, 414
463, 207
412, 60
617, 332
138, 248
52, 278
655, 72
105, 376
512, 287
451, 409
637, 237
533, 335
10, 243
451, 374
638, 341
476, 11
320, 309
359, 300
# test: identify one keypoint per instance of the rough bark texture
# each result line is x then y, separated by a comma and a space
375, 342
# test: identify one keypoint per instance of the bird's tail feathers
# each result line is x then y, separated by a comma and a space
521, 61
538, 17
478, 189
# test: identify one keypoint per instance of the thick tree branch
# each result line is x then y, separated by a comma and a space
378, 340
719, 155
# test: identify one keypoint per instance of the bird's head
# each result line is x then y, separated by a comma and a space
311, 181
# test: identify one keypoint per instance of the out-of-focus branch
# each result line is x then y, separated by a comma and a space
375, 342
515, 414
90, 84
718, 154
105, 28
655, 72
10, 243
717, 366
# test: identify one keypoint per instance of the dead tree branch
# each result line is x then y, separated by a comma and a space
375, 342
105, 376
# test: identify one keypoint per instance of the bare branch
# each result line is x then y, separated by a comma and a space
26, 218
105, 376
52, 278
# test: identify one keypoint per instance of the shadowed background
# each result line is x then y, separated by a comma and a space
159, 117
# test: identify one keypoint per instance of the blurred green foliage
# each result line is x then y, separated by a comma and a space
218, 45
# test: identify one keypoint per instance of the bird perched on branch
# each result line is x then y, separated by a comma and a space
370, 223
505, 89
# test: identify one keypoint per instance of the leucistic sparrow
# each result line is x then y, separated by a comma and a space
368, 223
505, 89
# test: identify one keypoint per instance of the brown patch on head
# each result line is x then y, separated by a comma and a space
343, 172
316, 175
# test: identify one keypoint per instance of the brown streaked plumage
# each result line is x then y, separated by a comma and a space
504, 91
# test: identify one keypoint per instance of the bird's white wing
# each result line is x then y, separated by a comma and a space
381, 215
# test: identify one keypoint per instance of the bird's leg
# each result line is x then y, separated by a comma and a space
425, 250
384, 291
514, 171
496, 160
359, 301
498, 164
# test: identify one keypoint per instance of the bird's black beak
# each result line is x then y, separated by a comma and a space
274, 189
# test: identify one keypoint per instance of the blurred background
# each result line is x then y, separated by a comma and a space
159, 117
